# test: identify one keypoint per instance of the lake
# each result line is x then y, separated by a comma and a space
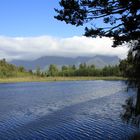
70, 110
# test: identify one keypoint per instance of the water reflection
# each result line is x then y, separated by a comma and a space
131, 109
74, 110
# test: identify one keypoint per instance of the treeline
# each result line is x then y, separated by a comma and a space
9, 70
82, 70
128, 67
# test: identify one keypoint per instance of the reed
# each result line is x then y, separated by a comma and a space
47, 79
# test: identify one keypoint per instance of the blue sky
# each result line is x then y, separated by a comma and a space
28, 30
33, 18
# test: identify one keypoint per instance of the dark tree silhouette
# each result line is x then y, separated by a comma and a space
121, 17
120, 20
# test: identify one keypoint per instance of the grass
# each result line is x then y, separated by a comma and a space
47, 79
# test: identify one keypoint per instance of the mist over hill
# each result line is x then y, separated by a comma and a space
43, 62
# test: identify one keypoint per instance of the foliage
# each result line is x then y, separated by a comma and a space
9, 70
121, 18
38, 71
6, 70
53, 70
83, 70
121, 22
126, 65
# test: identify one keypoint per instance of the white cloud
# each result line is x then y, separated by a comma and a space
34, 47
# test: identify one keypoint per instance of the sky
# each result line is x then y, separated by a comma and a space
28, 30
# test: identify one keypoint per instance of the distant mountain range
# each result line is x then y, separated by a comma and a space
43, 62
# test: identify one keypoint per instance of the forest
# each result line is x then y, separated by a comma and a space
10, 70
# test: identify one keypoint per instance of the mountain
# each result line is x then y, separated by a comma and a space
44, 62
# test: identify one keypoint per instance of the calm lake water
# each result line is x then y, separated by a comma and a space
73, 110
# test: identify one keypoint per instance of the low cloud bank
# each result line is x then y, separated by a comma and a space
29, 48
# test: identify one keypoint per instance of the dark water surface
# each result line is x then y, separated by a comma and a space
74, 110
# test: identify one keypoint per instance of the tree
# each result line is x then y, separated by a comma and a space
38, 71
64, 71
53, 70
126, 65
21, 69
68, 70
121, 22
122, 18
83, 71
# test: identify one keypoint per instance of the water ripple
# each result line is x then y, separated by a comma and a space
84, 110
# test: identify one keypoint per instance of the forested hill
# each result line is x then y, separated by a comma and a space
10, 70
44, 62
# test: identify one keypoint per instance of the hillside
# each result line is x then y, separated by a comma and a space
43, 62
10, 70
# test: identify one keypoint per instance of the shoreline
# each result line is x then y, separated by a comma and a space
53, 79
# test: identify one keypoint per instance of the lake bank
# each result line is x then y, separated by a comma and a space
47, 79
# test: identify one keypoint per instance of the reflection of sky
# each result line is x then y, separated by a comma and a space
74, 109
45, 97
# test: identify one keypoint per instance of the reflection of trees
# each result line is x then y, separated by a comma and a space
131, 113
130, 68
131, 108
137, 108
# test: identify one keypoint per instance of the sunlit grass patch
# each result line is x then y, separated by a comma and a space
46, 79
